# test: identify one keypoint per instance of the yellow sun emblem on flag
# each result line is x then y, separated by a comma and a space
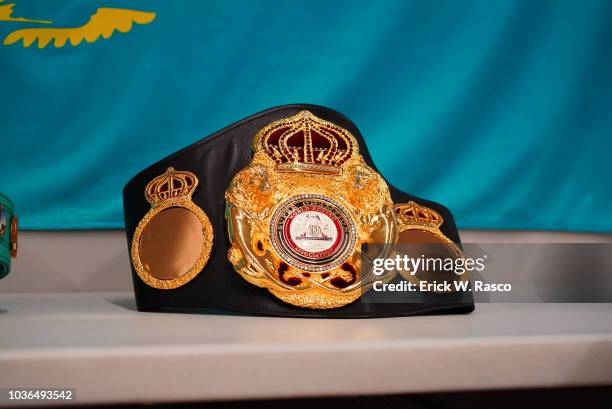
102, 23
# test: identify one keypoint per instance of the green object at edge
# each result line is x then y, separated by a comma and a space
8, 234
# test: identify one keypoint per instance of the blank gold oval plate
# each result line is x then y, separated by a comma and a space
172, 242
419, 226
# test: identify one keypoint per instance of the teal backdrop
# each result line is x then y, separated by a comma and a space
502, 110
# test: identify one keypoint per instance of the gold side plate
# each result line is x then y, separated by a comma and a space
173, 241
421, 225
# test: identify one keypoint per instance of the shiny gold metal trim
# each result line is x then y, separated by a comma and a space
277, 141
412, 216
172, 189
307, 157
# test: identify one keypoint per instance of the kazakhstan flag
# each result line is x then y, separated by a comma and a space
501, 110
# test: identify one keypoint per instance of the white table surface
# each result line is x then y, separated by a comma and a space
98, 344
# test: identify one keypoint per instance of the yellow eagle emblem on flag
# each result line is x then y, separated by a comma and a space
102, 23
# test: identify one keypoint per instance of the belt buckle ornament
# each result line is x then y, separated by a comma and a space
173, 241
419, 226
299, 213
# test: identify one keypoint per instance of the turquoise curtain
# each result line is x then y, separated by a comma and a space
502, 110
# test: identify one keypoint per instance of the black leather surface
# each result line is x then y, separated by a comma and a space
215, 160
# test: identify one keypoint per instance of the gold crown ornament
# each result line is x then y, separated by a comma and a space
419, 226
299, 213
172, 242
305, 143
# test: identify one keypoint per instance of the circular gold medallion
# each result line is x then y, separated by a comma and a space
172, 242
300, 212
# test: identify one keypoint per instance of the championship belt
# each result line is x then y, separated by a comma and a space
279, 214
8, 235
299, 213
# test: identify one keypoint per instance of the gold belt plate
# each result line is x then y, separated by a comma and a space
299, 213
